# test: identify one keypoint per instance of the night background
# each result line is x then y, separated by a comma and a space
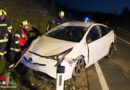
106, 6
114, 13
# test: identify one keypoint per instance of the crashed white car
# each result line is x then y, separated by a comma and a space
69, 47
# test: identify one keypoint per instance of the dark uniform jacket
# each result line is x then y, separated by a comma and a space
60, 20
5, 32
5, 29
15, 46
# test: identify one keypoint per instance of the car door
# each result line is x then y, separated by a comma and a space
105, 38
94, 44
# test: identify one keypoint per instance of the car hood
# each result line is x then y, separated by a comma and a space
48, 46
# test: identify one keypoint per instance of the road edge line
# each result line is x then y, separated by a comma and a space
123, 40
101, 77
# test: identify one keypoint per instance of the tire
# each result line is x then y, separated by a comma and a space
110, 51
79, 66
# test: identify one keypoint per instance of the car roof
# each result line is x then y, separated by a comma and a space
78, 23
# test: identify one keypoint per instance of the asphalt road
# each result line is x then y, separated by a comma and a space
116, 70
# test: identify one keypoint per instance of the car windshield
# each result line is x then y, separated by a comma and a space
68, 33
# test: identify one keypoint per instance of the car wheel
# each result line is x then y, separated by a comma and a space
110, 51
80, 65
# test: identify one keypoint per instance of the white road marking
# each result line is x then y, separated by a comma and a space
100, 74
123, 40
101, 77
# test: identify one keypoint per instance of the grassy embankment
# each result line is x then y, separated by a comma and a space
38, 15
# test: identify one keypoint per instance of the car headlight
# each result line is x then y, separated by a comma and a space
55, 57
61, 55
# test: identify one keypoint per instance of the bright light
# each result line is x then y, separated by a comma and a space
86, 19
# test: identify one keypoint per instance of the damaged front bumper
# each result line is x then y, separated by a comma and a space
47, 66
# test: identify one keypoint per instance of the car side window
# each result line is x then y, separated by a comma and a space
93, 34
104, 30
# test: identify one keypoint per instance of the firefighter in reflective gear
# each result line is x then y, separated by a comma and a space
19, 41
5, 32
61, 18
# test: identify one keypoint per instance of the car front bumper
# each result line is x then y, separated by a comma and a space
47, 66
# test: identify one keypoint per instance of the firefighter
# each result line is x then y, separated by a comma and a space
61, 18
5, 32
19, 40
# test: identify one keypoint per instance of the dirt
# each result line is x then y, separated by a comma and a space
77, 83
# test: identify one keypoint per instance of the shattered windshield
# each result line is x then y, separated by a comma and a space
69, 33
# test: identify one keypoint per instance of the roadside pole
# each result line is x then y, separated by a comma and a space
60, 78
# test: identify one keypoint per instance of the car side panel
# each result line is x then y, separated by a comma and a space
107, 41
95, 51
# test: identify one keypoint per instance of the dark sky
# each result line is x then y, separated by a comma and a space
107, 6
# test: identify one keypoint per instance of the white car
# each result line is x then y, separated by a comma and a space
69, 47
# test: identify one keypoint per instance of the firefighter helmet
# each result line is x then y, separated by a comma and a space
2, 12
61, 13
25, 22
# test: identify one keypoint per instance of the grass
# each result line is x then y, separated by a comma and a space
19, 10
79, 82
125, 31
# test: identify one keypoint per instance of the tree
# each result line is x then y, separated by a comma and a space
52, 5
125, 13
